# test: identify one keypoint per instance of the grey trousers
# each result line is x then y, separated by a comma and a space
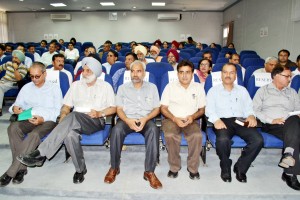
20, 144
151, 134
69, 132
4, 87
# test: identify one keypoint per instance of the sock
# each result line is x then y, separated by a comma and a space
289, 150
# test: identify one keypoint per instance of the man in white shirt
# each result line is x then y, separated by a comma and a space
91, 99
58, 64
47, 56
141, 53
31, 49
28, 61
71, 54
112, 57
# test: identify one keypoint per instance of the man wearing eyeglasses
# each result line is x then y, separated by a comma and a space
24, 136
91, 100
112, 57
273, 104
173, 58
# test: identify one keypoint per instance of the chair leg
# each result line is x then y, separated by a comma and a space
203, 154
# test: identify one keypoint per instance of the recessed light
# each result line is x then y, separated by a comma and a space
158, 4
58, 4
107, 3
88, 7
134, 7
21, 0
42, 8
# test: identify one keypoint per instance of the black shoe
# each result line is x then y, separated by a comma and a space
286, 161
241, 177
5, 180
19, 178
291, 181
194, 176
79, 177
226, 176
33, 159
172, 174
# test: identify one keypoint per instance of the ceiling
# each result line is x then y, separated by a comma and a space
120, 5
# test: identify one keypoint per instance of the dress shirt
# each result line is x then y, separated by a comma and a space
46, 103
47, 58
222, 103
181, 101
98, 97
137, 103
271, 103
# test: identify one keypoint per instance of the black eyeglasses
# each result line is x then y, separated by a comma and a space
35, 76
286, 76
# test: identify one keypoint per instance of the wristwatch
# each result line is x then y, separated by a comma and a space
103, 114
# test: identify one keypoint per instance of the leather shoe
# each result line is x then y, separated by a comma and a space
79, 177
154, 182
172, 174
226, 176
110, 177
291, 181
5, 180
286, 161
241, 177
33, 159
194, 176
19, 178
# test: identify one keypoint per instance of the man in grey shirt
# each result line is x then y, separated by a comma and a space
137, 103
272, 105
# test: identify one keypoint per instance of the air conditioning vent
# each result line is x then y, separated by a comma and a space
60, 17
168, 16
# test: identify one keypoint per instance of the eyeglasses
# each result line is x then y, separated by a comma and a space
286, 76
203, 64
171, 56
36, 76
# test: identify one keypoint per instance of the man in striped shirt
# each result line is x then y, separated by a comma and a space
15, 71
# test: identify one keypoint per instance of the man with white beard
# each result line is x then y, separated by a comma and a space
91, 99
154, 53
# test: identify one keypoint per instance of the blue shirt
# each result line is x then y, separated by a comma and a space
45, 101
221, 103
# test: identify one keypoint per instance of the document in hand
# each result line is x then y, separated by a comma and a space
25, 115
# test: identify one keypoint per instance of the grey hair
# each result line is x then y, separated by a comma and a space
38, 65
272, 58
138, 62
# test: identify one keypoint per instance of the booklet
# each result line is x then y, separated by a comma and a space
25, 115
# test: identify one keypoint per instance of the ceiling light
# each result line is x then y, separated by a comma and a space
107, 3
133, 7
58, 4
42, 8
88, 7
158, 4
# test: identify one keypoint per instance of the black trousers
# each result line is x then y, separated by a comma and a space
289, 132
151, 134
251, 136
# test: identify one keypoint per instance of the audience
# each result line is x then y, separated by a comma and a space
173, 58
111, 59
270, 63
204, 69
43, 44
27, 61
47, 56
9, 48
31, 49
106, 48
118, 47
71, 54
141, 53
154, 53
2, 50
297, 71
283, 59
165, 45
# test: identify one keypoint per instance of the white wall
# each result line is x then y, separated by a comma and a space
95, 27
250, 16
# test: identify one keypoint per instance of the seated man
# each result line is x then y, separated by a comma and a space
141, 53
270, 63
71, 54
45, 111
47, 56
92, 99
58, 61
283, 59
154, 53
173, 58
129, 58
27, 61
225, 103
112, 57
137, 104
272, 104
182, 103
14, 71
31, 49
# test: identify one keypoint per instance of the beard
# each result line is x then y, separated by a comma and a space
153, 56
89, 79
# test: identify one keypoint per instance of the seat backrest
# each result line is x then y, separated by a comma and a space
115, 67
256, 81
214, 78
222, 60
59, 78
225, 50
253, 62
104, 57
125, 78
243, 57
69, 68
295, 83
192, 52
195, 59
6, 59
248, 73
158, 70
247, 52
121, 58
184, 55
171, 76
30, 55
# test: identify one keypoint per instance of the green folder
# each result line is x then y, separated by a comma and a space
25, 115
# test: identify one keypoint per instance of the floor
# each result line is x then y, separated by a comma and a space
54, 179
